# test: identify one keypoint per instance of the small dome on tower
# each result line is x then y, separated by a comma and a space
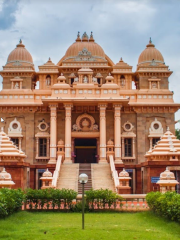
150, 55
20, 54
4, 175
47, 173
110, 142
123, 173
60, 142
167, 175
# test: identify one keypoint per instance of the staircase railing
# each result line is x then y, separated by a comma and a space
114, 172
56, 172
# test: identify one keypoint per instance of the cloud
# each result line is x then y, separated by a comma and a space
7, 13
121, 27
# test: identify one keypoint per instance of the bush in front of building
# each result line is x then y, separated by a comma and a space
102, 198
165, 204
11, 200
49, 198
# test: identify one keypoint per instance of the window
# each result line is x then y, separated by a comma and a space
99, 80
122, 81
48, 80
154, 141
15, 141
72, 80
128, 147
42, 147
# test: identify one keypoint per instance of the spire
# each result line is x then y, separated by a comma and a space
150, 44
20, 44
78, 39
91, 37
85, 37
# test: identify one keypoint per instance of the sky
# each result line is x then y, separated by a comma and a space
121, 27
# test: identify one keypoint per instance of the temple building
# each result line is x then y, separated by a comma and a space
87, 114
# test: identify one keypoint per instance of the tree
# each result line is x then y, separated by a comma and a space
177, 132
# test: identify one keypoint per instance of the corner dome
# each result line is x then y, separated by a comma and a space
150, 55
86, 44
20, 54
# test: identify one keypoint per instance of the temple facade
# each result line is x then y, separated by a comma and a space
88, 112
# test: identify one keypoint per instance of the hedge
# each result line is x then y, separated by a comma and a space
166, 205
43, 198
102, 198
10, 201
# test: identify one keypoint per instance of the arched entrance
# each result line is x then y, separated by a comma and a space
85, 150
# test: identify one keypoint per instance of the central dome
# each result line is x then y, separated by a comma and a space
86, 44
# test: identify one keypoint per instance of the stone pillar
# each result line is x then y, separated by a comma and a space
117, 133
102, 109
150, 140
48, 147
53, 133
37, 147
20, 143
122, 146
98, 149
133, 147
68, 108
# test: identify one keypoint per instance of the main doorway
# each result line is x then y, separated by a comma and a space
85, 150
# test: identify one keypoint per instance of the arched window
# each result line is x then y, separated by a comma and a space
122, 81
48, 80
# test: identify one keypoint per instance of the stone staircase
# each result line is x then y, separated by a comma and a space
68, 177
85, 168
101, 177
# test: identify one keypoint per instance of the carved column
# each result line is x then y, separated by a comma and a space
150, 140
133, 147
47, 147
122, 146
37, 147
97, 145
20, 143
102, 109
53, 133
68, 108
117, 133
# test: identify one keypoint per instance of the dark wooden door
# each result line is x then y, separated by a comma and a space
85, 155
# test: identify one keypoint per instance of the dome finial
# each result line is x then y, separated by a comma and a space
150, 41
91, 39
78, 39
85, 37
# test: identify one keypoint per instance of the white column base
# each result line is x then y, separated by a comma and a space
102, 161
52, 161
118, 161
67, 161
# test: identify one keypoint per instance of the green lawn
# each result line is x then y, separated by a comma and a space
53, 225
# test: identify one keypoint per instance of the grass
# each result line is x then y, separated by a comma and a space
53, 225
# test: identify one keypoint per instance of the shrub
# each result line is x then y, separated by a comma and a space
166, 205
11, 200
43, 198
102, 198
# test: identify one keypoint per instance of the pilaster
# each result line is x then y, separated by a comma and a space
53, 132
117, 133
68, 108
102, 114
